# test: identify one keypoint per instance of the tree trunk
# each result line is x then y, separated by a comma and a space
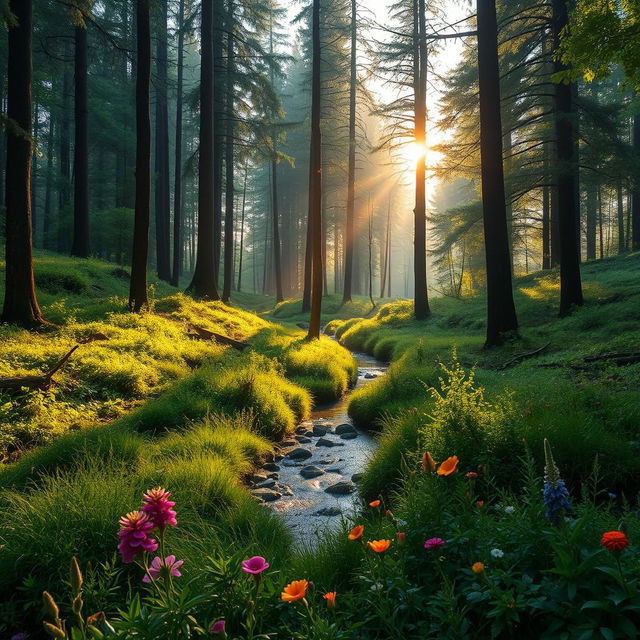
162, 198
421, 301
501, 314
620, 212
80, 244
218, 137
315, 182
635, 196
177, 192
65, 155
20, 303
138, 289
592, 219
34, 177
203, 284
241, 253
567, 172
47, 217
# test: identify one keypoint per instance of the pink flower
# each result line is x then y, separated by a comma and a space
218, 627
433, 544
134, 532
158, 565
471, 474
255, 565
159, 508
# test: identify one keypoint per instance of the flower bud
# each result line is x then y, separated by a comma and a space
76, 575
96, 618
51, 606
77, 604
53, 631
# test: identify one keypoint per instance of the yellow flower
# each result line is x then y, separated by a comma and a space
477, 567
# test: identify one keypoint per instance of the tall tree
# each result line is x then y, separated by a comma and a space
567, 175
138, 289
315, 182
203, 283
80, 243
20, 303
177, 192
501, 314
162, 198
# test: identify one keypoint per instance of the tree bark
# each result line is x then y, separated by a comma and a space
567, 173
241, 252
315, 182
501, 314
203, 284
80, 244
218, 137
47, 217
138, 289
20, 303
635, 196
65, 155
177, 192
620, 212
162, 197
592, 220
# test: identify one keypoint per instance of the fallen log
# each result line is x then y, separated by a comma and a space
628, 357
41, 382
205, 334
524, 356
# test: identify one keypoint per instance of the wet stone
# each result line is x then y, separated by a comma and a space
345, 428
311, 471
303, 439
327, 461
324, 442
258, 477
342, 488
357, 477
320, 430
286, 490
299, 454
266, 484
370, 376
328, 511
267, 495
288, 443
348, 436
334, 470
271, 466
273, 476
301, 430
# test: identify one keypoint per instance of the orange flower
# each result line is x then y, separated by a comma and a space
295, 590
379, 546
356, 532
331, 599
480, 504
615, 541
428, 462
477, 567
449, 466
401, 536
375, 503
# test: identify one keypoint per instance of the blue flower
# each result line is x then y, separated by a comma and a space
556, 499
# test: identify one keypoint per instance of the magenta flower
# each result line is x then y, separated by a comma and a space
433, 544
159, 508
158, 565
134, 536
218, 627
255, 565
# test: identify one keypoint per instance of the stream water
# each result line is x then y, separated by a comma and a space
326, 459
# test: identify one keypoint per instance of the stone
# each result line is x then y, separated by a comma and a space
288, 443
370, 376
303, 439
324, 442
311, 471
292, 463
327, 461
334, 470
320, 430
345, 428
271, 466
357, 477
299, 454
329, 511
267, 495
286, 490
342, 488
278, 457
266, 484
273, 476
348, 436
301, 430
258, 477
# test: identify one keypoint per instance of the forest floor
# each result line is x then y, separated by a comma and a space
144, 404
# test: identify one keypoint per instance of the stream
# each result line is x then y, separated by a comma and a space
326, 452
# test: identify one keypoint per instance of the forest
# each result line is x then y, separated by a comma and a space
320, 319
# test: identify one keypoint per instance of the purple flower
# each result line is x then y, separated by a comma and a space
555, 493
433, 544
218, 627
134, 536
255, 565
23, 635
159, 508
158, 566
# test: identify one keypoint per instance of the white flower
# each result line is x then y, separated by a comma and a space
509, 510
497, 553
402, 523
376, 587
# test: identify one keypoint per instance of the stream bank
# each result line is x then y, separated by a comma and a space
312, 480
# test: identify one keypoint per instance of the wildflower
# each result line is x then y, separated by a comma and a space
96, 618
449, 466
471, 475
379, 546
615, 541
356, 532
134, 536
23, 635
477, 567
402, 523
159, 508
255, 565
375, 504
428, 463
612, 496
401, 537
480, 504
158, 566
509, 510
330, 597
497, 553
218, 627
433, 544
555, 493
389, 513
375, 587
295, 590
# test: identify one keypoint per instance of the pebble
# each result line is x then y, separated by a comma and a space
311, 471
324, 442
299, 454
329, 511
341, 488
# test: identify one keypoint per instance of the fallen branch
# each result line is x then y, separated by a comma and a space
42, 382
524, 356
205, 334
625, 358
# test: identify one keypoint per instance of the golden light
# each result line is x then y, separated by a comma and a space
413, 152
